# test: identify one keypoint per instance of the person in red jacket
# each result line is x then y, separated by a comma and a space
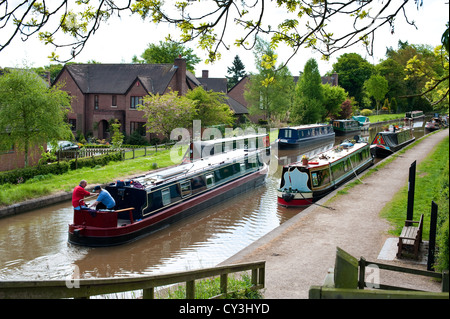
79, 193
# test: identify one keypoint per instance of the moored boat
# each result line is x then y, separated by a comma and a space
387, 142
303, 183
156, 200
343, 127
436, 123
291, 137
363, 121
414, 118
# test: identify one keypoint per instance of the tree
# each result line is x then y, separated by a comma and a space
309, 97
377, 87
353, 71
297, 22
166, 112
268, 92
210, 107
334, 96
167, 52
237, 71
31, 113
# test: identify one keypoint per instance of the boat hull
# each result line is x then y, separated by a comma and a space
110, 236
302, 199
296, 143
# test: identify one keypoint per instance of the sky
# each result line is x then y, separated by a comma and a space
120, 39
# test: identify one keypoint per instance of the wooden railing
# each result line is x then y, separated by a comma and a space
348, 281
84, 288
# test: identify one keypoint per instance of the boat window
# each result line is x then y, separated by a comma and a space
320, 178
185, 188
165, 196
209, 180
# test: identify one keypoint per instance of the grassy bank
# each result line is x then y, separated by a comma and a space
49, 184
385, 117
430, 175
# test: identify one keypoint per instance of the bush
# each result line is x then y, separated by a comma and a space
93, 161
366, 112
21, 175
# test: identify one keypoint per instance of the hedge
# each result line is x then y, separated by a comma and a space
21, 175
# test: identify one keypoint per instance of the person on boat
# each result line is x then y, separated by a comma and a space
79, 193
104, 197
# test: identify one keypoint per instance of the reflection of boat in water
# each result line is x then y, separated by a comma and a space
387, 142
296, 136
154, 201
302, 183
343, 127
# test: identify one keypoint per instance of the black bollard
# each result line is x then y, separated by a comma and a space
432, 239
411, 186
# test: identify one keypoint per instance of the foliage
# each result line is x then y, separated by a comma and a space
334, 96
21, 175
167, 52
366, 112
211, 107
167, 112
207, 288
26, 104
117, 137
309, 95
237, 72
268, 92
377, 87
353, 71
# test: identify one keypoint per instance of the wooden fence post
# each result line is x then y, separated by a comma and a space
432, 236
190, 289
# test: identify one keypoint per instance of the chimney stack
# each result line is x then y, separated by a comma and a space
205, 74
180, 76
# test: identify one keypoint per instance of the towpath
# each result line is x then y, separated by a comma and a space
299, 253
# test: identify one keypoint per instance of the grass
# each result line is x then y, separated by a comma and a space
385, 117
10, 194
239, 288
430, 174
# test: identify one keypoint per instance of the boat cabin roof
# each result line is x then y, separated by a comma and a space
332, 155
188, 169
306, 126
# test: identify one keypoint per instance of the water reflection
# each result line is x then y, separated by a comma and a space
34, 245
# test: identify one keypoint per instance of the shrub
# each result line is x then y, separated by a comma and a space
366, 112
21, 175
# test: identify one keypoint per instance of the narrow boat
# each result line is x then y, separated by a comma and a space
303, 183
387, 142
436, 123
363, 121
343, 127
414, 118
156, 200
291, 137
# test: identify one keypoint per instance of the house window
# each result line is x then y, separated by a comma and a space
137, 126
135, 101
96, 102
114, 100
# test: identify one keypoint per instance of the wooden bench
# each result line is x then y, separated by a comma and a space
411, 237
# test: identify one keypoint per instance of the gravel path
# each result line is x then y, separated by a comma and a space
299, 253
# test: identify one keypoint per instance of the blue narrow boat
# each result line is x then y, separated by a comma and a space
291, 137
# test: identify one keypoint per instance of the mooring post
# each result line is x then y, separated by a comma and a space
411, 186
432, 239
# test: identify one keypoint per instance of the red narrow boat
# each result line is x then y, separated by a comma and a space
154, 201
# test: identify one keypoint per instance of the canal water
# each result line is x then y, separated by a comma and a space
33, 245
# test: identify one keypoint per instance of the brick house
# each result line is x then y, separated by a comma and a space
103, 92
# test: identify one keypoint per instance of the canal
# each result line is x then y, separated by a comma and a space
33, 245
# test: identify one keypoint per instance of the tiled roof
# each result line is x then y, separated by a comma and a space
118, 78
